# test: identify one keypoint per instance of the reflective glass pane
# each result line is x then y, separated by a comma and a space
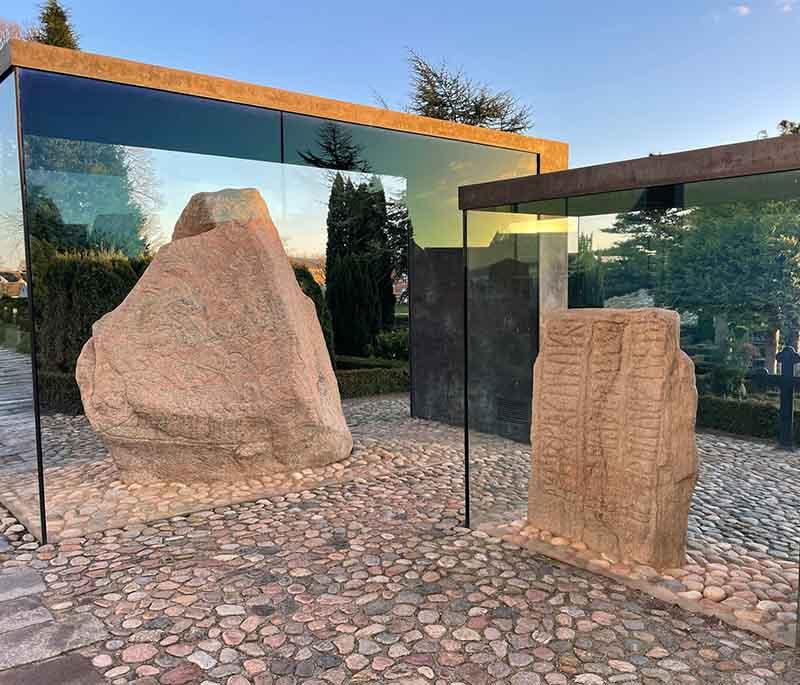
102, 112
515, 267
101, 217
434, 169
19, 489
725, 256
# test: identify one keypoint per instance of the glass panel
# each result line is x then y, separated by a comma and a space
109, 173
509, 257
434, 169
93, 237
19, 489
725, 255
103, 112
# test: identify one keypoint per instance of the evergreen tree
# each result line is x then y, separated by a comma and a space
399, 230
337, 223
651, 233
54, 27
377, 248
585, 281
442, 92
91, 185
336, 150
311, 288
354, 305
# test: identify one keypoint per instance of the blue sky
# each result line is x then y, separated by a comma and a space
614, 79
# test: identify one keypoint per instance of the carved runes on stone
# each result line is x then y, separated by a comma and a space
614, 455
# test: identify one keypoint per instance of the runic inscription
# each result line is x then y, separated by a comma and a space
614, 456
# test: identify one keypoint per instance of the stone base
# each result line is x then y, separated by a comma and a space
728, 589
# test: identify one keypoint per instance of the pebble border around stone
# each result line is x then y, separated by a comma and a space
752, 592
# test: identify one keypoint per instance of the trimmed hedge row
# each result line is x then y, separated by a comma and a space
347, 362
753, 418
58, 392
366, 382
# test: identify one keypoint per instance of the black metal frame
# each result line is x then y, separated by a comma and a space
465, 253
23, 188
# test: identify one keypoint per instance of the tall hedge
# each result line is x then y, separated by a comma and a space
312, 289
73, 290
354, 303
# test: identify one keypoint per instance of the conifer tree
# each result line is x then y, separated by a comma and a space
337, 223
336, 150
377, 238
353, 302
54, 27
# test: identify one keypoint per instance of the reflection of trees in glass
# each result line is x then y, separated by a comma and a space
312, 289
105, 191
640, 258
336, 149
739, 263
11, 232
364, 226
87, 209
354, 304
398, 233
736, 266
73, 290
585, 280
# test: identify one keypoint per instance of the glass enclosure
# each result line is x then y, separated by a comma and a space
19, 485
725, 255
107, 174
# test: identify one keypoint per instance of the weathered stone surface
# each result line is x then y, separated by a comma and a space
72, 669
19, 582
214, 367
22, 612
614, 456
46, 640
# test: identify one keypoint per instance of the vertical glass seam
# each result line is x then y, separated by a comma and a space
466, 371
31, 308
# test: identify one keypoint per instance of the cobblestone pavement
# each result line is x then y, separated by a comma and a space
369, 581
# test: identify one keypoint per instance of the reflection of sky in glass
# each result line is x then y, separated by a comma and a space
434, 167
12, 248
297, 196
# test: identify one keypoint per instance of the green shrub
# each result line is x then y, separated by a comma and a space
752, 418
354, 303
391, 344
58, 392
366, 382
72, 291
24, 344
347, 362
311, 288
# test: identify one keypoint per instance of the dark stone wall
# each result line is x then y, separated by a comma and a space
503, 335
437, 342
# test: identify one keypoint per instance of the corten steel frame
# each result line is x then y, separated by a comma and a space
23, 54
705, 164
16, 55
736, 160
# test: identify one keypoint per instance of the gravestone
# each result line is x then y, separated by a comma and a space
614, 455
